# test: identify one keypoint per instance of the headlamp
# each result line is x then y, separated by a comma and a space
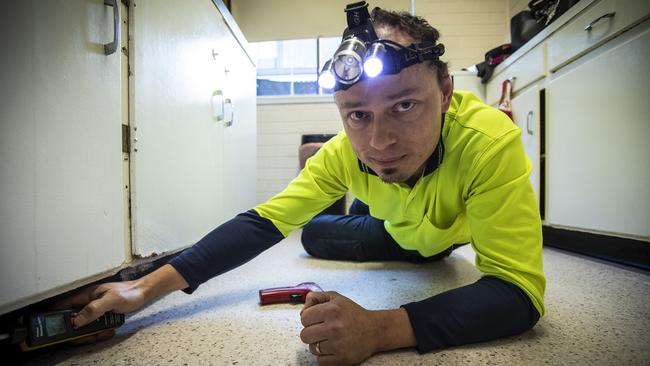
348, 60
373, 64
326, 78
363, 55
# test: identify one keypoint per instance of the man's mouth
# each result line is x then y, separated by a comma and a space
388, 162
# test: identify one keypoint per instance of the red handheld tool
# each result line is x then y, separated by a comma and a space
289, 294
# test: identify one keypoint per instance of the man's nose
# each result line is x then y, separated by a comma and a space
382, 135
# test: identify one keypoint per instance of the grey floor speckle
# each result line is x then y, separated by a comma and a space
598, 314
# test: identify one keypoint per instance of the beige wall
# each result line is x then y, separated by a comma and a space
469, 28
266, 20
515, 6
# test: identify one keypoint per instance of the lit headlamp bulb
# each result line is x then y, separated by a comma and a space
326, 78
373, 64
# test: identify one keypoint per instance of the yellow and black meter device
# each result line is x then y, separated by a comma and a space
47, 328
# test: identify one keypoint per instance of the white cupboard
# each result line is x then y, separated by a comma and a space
599, 174
194, 113
74, 207
526, 114
60, 141
580, 90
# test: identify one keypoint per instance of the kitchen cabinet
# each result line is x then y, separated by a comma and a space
592, 28
529, 68
526, 114
109, 160
581, 84
194, 121
60, 138
599, 131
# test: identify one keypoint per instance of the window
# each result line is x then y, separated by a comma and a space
291, 67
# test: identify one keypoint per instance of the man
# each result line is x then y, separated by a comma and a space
435, 169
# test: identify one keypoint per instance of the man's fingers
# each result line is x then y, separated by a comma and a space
315, 298
323, 347
93, 338
313, 333
92, 311
312, 313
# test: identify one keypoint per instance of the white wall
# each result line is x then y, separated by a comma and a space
279, 131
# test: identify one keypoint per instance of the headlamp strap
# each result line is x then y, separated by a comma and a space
357, 14
359, 22
420, 52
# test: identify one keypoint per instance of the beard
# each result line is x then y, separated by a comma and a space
391, 175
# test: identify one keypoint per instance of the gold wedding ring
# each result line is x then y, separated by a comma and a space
318, 348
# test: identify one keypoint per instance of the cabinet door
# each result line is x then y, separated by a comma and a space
177, 158
598, 133
526, 112
240, 146
61, 204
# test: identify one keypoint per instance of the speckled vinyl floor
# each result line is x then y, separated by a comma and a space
598, 314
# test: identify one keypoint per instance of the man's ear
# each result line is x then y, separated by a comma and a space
446, 89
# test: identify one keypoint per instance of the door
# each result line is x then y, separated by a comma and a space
240, 146
61, 198
598, 151
526, 114
177, 154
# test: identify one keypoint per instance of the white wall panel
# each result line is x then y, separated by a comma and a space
280, 128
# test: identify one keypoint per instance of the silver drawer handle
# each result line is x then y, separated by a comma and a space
591, 25
110, 48
229, 112
529, 123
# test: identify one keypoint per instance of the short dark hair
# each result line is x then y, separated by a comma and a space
415, 27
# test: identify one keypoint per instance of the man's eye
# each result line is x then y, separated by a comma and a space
404, 106
358, 116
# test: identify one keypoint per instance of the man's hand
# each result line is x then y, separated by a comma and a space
120, 297
337, 330
340, 332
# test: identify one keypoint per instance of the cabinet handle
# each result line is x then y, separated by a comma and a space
218, 105
591, 25
110, 48
229, 112
529, 124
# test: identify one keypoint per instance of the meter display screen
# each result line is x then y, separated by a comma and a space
55, 324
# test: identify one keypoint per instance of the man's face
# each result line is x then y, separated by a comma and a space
393, 121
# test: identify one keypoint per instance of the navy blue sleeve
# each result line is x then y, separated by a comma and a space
228, 246
488, 309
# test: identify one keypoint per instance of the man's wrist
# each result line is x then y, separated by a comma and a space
160, 282
394, 330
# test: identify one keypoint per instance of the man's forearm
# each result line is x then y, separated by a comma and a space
488, 309
160, 282
230, 245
